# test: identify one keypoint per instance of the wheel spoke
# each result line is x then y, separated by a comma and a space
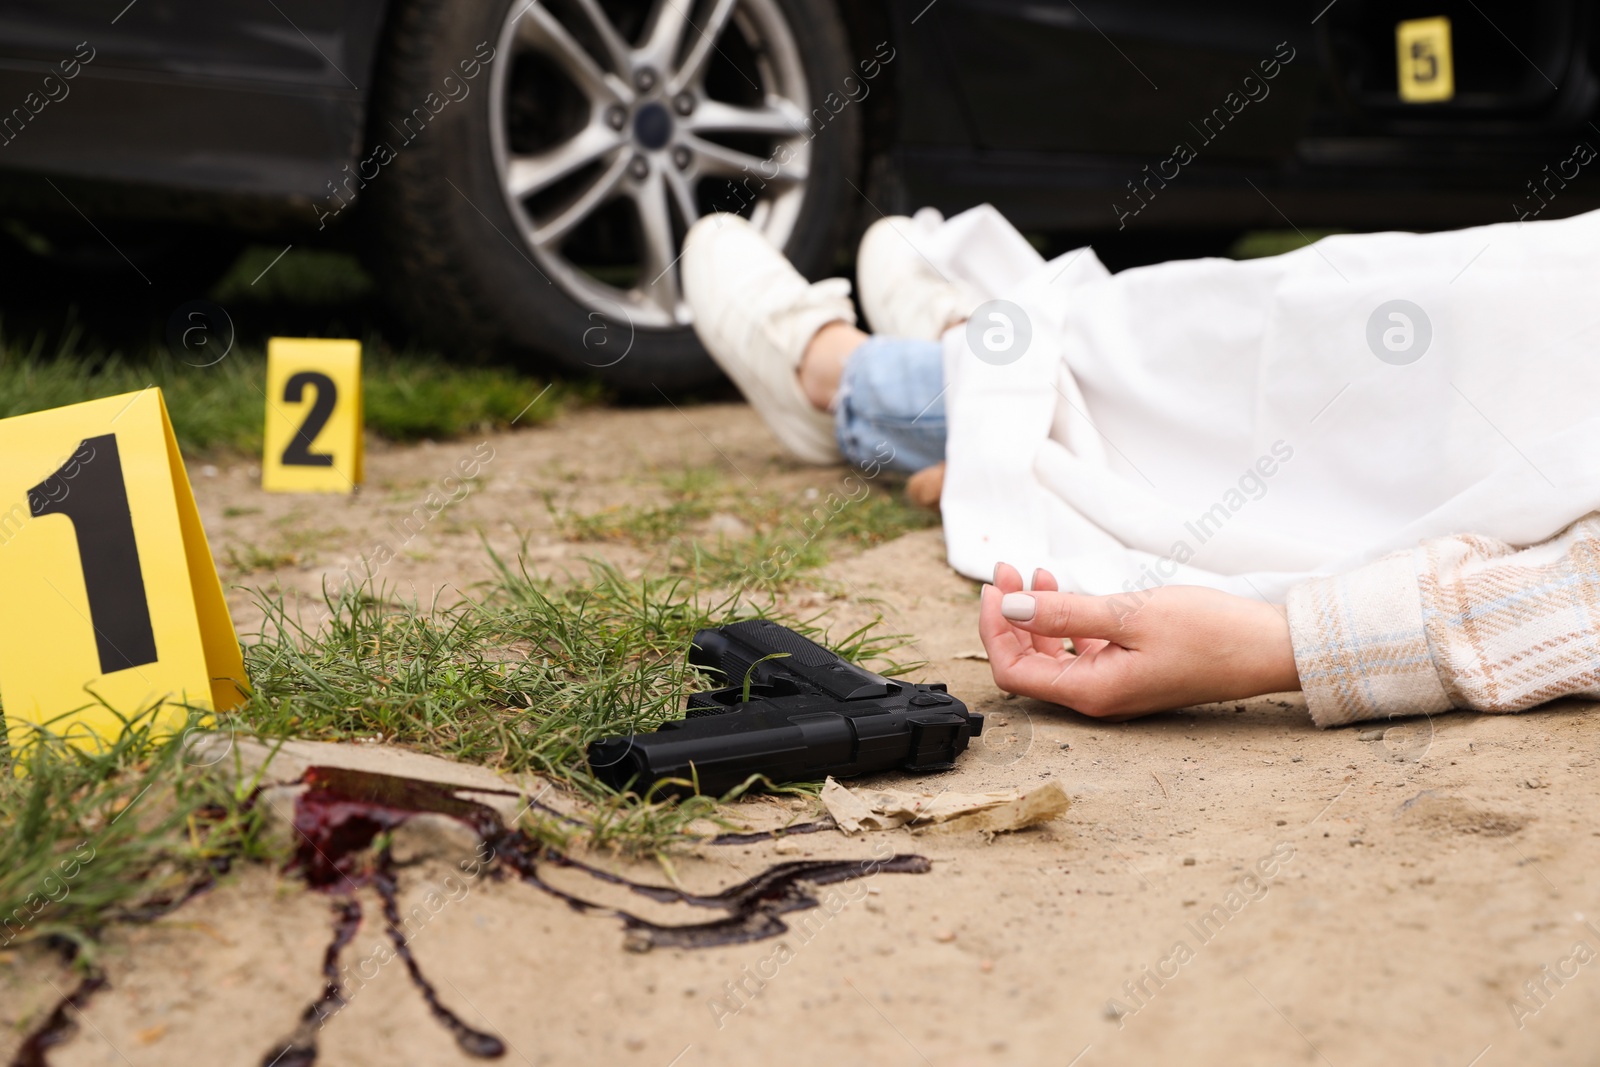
541, 30
667, 28
705, 41
724, 162
681, 188
529, 174
779, 118
658, 275
616, 48
555, 230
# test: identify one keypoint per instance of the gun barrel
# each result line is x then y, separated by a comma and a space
803, 741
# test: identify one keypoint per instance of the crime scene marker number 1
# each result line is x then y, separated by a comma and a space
115, 610
107, 552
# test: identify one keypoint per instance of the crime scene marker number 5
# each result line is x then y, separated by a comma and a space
89, 489
298, 453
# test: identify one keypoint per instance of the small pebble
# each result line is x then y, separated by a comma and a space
1296, 759
986, 966
945, 936
1283, 822
633, 1042
1370, 735
1188, 861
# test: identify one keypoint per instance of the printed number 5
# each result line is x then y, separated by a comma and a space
89, 489
1424, 63
299, 453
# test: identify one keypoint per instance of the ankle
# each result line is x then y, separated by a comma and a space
822, 363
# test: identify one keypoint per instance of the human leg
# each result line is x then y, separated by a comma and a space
889, 412
758, 316
823, 362
902, 293
824, 387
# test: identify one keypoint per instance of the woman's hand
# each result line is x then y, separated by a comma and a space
1153, 650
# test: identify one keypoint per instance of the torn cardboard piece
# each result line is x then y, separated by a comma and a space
995, 812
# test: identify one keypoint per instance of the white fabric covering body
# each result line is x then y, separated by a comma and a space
1228, 424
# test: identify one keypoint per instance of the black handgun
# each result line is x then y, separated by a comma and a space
792, 711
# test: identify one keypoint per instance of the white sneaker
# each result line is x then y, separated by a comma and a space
902, 294
756, 314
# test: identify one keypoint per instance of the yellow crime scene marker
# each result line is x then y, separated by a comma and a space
313, 432
1427, 68
113, 604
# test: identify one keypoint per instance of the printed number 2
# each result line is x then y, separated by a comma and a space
299, 453
89, 489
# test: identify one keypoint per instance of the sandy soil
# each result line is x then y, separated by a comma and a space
1414, 881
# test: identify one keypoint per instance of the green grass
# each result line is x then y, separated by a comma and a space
406, 396
302, 276
90, 838
520, 677
788, 534
1260, 243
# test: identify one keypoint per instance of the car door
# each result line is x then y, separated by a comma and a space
202, 93
1130, 76
1512, 66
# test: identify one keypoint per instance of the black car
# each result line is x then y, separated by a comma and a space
520, 174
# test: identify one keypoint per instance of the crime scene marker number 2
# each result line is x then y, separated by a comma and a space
298, 453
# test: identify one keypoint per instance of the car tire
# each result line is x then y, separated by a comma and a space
470, 109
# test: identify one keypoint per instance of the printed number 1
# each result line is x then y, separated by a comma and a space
299, 453
89, 489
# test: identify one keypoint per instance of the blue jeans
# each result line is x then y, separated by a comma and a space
890, 411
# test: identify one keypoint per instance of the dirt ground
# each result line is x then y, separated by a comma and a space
1231, 885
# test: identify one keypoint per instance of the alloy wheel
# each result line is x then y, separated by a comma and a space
615, 125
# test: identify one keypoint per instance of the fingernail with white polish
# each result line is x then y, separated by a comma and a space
996, 578
1018, 607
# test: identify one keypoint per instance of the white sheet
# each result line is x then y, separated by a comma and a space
1130, 446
